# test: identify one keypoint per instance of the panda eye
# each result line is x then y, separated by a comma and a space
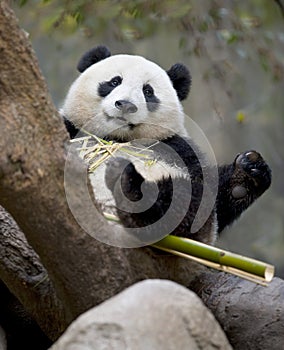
115, 81
148, 90
106, 87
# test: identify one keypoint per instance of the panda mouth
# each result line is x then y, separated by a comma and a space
109, 118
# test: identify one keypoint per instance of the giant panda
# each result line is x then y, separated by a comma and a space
127, 98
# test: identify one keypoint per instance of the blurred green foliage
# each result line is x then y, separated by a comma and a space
232, 22
127, 17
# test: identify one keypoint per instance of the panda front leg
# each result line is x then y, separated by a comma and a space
240, 184
168, 206
156, 209
139, 203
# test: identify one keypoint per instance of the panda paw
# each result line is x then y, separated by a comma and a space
240, 184
115, 168
252, 173
121, 171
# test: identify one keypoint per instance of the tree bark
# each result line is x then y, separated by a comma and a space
25, 276
251, 315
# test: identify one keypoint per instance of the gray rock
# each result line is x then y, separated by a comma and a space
150, 315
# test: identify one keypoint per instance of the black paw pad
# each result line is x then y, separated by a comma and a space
239, 192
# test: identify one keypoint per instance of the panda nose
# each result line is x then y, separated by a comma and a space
126, 106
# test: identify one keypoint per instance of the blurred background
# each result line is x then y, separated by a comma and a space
235, 52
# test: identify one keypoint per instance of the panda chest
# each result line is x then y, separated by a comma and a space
154, 170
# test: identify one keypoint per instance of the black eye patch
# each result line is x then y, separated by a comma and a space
106, 87
150, 98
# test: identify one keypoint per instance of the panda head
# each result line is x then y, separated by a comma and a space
125, 97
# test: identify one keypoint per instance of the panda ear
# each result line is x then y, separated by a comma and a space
93, 56
181, 79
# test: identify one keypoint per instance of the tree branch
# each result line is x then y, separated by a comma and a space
250, 314
24, 275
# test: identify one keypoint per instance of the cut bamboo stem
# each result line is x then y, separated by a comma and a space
248, 268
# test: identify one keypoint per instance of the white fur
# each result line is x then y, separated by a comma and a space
83, 103
159, 170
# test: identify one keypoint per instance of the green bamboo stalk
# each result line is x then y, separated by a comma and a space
251, 269
219, 259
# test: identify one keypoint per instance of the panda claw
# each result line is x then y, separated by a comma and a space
255, 171
251, 165
250, 162
248, 157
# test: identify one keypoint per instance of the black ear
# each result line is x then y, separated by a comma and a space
93, 56
181, 80
71, 128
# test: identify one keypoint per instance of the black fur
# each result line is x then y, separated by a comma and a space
106, 87
181, 79
150, 98
251, 172
131, 182
93, 56
71, 128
